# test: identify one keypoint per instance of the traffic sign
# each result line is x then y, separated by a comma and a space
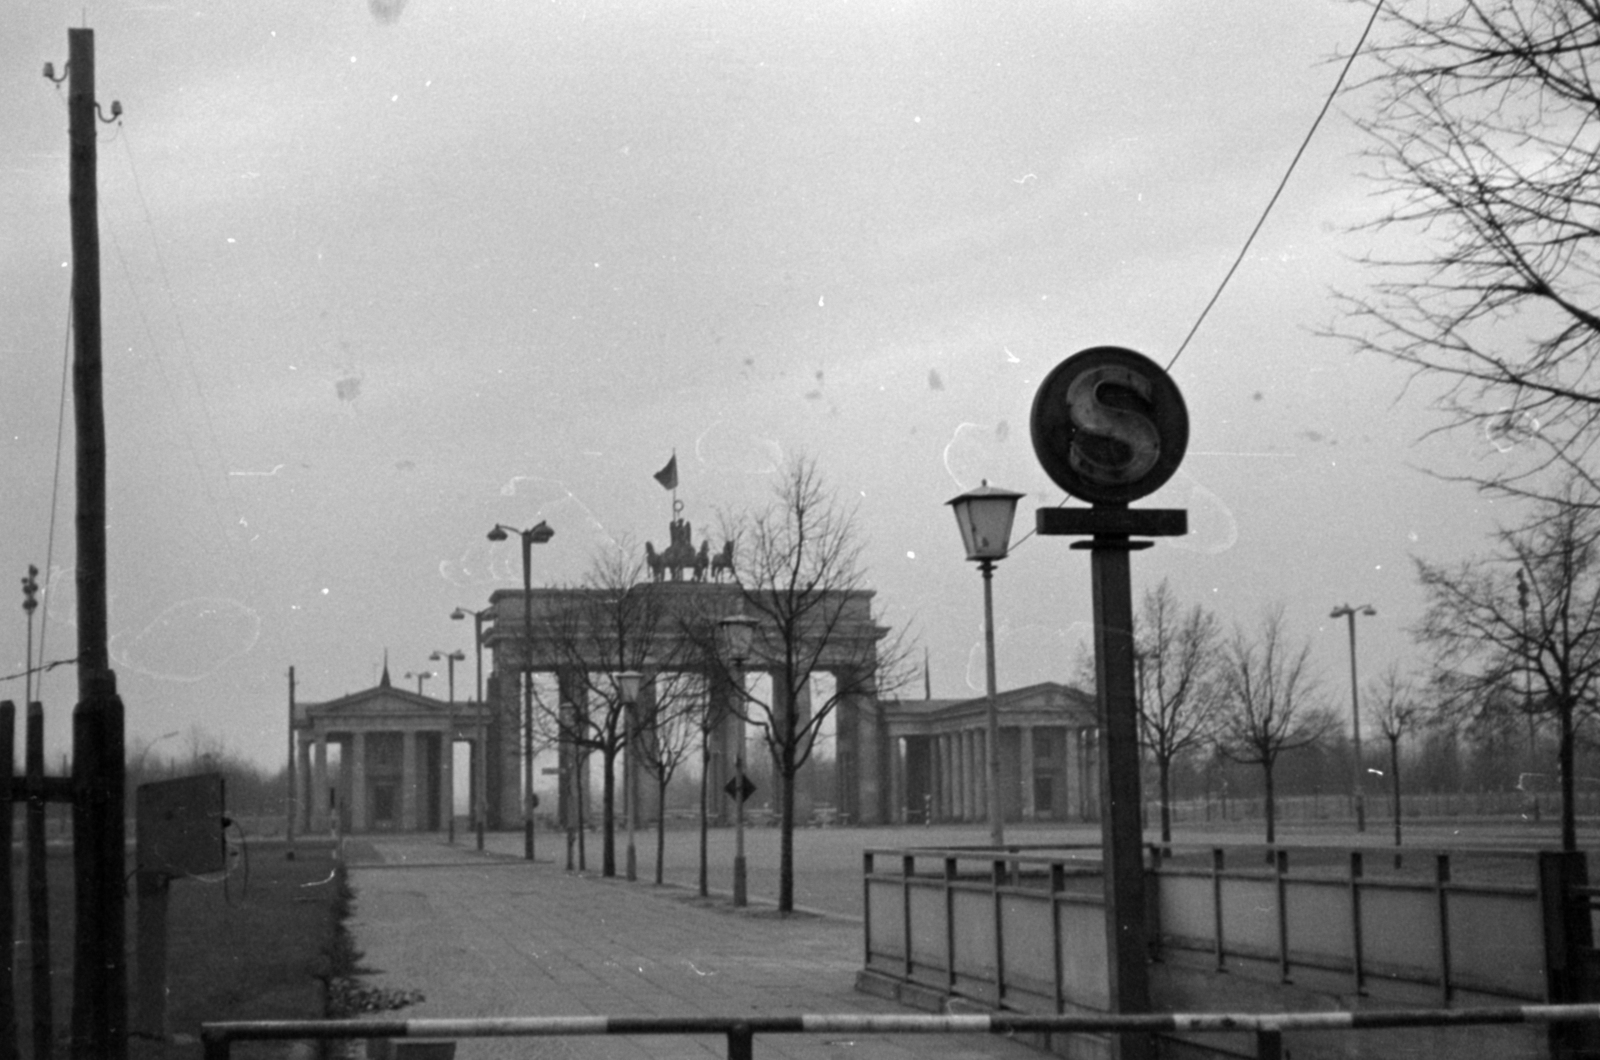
740, 787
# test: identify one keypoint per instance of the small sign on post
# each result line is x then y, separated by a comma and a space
740, 787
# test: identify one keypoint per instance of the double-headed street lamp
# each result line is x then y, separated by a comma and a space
628, 683
1347, 612
984, 516
737, 633
451, 658
480, 763
421, 676
537, 534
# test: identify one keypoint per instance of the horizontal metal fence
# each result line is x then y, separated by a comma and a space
1268, 1029
1025, 929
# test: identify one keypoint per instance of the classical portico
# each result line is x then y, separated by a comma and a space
1049, 758
395, 759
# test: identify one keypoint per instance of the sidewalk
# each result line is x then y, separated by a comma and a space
491, 935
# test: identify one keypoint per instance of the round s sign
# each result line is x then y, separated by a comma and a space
1109, 425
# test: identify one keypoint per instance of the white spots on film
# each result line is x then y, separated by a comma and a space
190, 640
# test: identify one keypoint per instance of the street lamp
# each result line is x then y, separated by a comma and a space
421, 676
984, 516
628, 683
537, 534
479, 761
737, 633
1347, 612
451, 658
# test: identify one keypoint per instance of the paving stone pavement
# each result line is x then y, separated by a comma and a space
484, 934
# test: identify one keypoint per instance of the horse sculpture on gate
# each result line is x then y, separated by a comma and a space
681, 555
722, 562
677, 557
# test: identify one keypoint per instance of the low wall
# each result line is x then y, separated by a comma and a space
1254, 929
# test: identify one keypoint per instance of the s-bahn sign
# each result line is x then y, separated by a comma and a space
1109, 425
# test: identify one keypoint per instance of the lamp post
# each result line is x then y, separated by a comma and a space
450, 659
479, 807
537, 534
1345, 611
628, 689
1527, 687
984, 516
421, 676
737, 632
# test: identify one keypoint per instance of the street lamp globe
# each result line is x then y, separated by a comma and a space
628, 683
984, 516
497, 534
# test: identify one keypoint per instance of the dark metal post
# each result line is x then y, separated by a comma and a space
1121, 835
292, 801
997, 834
100, 1003
527, 696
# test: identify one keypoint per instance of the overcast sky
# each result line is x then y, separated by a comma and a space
378, 277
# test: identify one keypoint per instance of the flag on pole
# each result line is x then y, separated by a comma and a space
668, 476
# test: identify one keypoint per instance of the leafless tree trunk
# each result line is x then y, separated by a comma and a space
1271, 702
1486, 652
1177, 652
800, 577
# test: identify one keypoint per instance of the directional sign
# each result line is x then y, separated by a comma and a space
740, 787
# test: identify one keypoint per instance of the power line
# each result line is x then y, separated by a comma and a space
1326, 106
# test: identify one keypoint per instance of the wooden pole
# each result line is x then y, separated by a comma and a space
38, 887
100, 1003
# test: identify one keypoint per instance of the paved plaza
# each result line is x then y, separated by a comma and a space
491, 935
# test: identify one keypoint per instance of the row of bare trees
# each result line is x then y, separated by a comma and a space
798, 575
1509, 638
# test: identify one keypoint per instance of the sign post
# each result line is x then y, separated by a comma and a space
1109, 426
739, 789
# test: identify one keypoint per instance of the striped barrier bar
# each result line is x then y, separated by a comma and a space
741, 1031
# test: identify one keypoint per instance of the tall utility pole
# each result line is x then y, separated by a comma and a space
1348, 612
293, 791
100, 986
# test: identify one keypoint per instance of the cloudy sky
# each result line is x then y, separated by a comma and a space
377, 277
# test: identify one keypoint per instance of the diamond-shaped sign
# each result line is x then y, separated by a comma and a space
740, 787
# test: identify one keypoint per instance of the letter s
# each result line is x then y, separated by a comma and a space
1113, 445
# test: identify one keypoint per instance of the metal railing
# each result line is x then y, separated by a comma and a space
1267, 1029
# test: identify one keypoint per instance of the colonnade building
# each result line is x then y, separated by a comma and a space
896, 761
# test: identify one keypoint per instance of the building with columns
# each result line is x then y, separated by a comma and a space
1049, 756
396, 761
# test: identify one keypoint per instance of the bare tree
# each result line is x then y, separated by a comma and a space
1399, 712
1485, 129
1485, 651
1177, 652
800, 577
674, 731
616, 621
1270, 702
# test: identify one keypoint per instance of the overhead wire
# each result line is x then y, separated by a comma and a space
55, 497
1283, 183
1327, 105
